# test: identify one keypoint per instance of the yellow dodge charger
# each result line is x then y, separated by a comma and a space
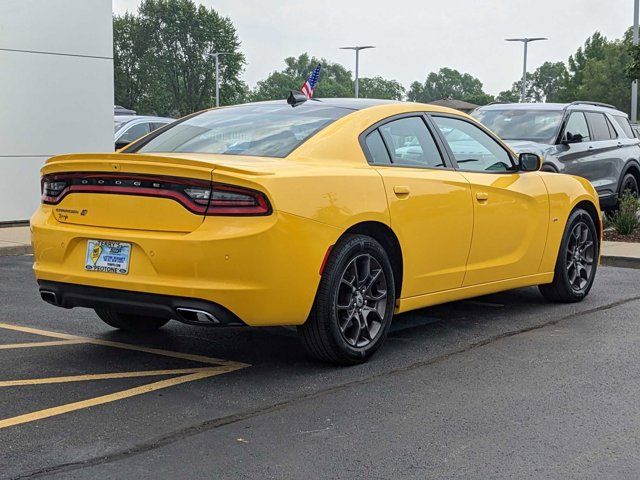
331, 215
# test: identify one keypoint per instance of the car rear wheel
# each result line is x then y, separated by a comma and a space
130, 322
630, 184
354, 304
577, 260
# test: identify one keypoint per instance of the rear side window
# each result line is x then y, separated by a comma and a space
377, 150
624, 124
411, 144
577, 125
599, 128
266, 130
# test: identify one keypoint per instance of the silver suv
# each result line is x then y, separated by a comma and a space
589, 139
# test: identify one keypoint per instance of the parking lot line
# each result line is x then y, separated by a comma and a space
51, 343
214, 367
101, 376
125, 346
112, 397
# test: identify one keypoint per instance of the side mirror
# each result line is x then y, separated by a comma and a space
529, 162
572, 138
121, 144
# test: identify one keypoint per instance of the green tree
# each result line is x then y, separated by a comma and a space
334, 81
129, 47
548, 82
592, 51
378, 87
448, 83
599, 71
163, 58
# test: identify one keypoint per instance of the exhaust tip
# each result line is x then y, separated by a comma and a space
194, 316
49, 297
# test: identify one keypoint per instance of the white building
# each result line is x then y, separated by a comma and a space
56, 91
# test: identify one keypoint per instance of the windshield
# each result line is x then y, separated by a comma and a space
534, 125
267, 130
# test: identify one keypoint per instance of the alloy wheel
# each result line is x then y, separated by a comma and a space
361, 300
581, 253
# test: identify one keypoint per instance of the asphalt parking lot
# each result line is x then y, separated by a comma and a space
503, 386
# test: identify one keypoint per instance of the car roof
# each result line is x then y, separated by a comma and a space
592, 106
347, 103
129, 118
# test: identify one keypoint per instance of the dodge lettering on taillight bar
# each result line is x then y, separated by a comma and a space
197, 196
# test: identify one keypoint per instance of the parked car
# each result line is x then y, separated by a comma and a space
331, 215
128, 128
588, 139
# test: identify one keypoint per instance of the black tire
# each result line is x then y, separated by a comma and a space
130, 322
569, 284
629, 182
348, 322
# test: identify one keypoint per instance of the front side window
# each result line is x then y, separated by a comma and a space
410, 143
599, 127
577, 125
534, 125
267, 130
473, 148
134, 132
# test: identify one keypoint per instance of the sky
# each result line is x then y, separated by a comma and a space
415, 37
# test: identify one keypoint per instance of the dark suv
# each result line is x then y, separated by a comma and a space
588, 139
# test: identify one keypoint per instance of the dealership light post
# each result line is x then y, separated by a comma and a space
357, 50
634, 85
525, 41
216, 55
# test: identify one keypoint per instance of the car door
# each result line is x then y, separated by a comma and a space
511, 208
575, 152
429, 203
602, 166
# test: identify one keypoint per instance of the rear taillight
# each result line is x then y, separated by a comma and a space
198, 196
51, 189
233, 200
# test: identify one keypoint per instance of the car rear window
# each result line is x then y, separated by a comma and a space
599, 128
624, 124
267, 130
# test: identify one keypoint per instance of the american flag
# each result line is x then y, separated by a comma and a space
310, 85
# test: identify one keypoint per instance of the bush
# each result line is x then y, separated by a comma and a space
626, 220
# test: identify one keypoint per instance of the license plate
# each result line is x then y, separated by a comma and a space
106, 256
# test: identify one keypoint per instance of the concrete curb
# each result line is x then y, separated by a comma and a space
621, 262
15, 250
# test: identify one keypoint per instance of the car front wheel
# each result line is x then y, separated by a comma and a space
354, 304
577, 260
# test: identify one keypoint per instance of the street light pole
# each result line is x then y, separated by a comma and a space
634, 85
357, 50
217, 61
525, 41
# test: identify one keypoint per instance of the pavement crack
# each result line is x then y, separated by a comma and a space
212, 424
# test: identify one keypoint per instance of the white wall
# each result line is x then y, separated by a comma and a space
56, 91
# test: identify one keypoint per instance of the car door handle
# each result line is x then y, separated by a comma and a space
619, 144
590, 147
401, 190
482, 196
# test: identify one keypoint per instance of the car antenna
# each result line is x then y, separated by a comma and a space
296, 98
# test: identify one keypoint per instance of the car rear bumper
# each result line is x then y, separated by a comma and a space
262, 270
187, 310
